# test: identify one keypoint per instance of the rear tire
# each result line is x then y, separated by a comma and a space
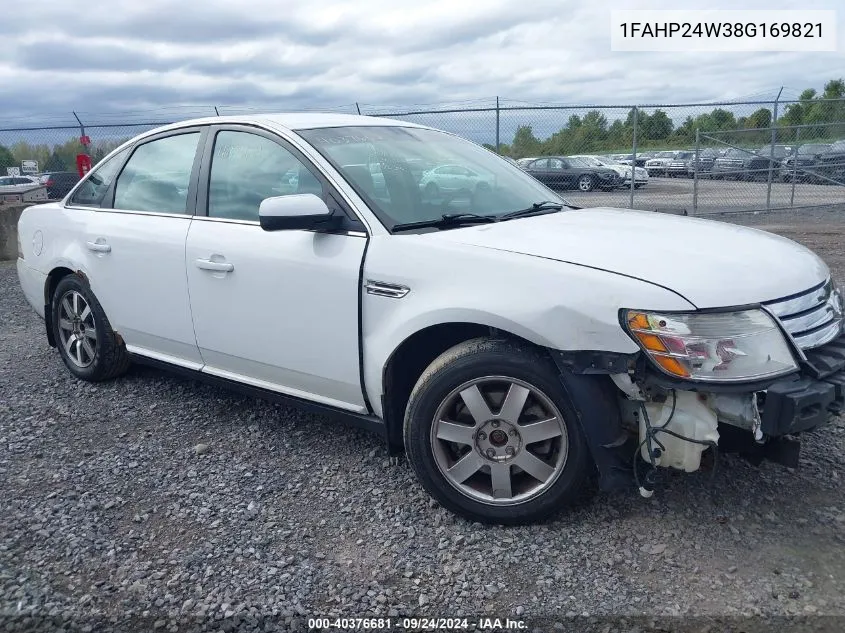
474, 406
88, 345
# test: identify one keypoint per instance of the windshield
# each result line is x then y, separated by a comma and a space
414, 174
779, 151
737, 153
589, 160
579, 162
813, 148
664, 155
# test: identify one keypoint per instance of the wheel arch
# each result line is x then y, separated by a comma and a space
406, 363
53, 278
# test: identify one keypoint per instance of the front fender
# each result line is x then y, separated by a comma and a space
552, 304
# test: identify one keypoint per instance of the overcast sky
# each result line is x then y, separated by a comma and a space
148, 55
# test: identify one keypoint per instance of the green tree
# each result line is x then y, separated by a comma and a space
524, 142
6, 160
54, 163
657, 126
759, 118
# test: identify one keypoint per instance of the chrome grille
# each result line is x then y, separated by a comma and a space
813, 318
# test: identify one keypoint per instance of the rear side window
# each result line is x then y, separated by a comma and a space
93, 190
157, 176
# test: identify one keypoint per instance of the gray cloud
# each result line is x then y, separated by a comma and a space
127, 60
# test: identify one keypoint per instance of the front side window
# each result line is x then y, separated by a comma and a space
412, 187
247, 168
157, 176
93, 190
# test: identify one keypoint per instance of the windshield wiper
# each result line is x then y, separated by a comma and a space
445, 221
546, 206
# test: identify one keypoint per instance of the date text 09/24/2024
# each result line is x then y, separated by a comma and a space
416, 624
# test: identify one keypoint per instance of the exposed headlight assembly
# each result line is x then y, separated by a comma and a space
712, 346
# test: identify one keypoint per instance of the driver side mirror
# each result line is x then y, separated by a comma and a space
304, 211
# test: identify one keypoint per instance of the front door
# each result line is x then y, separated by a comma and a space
279, 309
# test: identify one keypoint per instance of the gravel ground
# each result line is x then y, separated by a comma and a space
158, 502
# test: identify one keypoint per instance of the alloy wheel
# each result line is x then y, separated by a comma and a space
585, 183
77, 331
499, 440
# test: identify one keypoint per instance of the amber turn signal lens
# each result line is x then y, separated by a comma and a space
651, 342
638, 321
672, 365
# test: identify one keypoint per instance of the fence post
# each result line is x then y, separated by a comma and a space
357, 107
794, 167
81, 126
772, 152
497, 125
697, 165
633, 157
82, 137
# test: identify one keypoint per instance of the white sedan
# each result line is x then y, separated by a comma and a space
454, 178
17, 184
624, 171
512, 346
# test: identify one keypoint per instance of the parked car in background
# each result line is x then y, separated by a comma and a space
757, 167
801, 163
731, 166
559, 172
830, 167
517, 352
659, 164
522, 162
704, 165
627, 159
624, 171
59, 183
454, 178
680, 164
17, 184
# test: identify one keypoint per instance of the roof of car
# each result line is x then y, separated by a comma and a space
300, 120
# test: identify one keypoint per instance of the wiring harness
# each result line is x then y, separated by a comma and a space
656, 448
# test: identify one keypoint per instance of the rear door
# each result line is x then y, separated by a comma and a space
540, 170
278, 310
134, 244
562, 174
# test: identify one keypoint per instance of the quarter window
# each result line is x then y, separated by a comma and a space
157, 176
248, 168
93, 190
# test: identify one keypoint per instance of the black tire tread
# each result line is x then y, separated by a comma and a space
512, 350
112, 357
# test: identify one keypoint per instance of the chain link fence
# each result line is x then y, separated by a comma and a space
696, 159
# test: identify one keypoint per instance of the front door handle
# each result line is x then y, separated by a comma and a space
98, 247
220, 267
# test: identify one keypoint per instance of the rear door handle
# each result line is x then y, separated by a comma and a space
220, 267
98, 247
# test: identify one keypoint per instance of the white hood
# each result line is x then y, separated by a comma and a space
712, 264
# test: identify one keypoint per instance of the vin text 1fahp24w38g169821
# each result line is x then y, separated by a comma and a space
423, 287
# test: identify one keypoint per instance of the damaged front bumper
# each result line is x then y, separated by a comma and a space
758, 420
804, 401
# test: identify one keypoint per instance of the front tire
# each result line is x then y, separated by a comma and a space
586, 183
493, 436
90, 349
